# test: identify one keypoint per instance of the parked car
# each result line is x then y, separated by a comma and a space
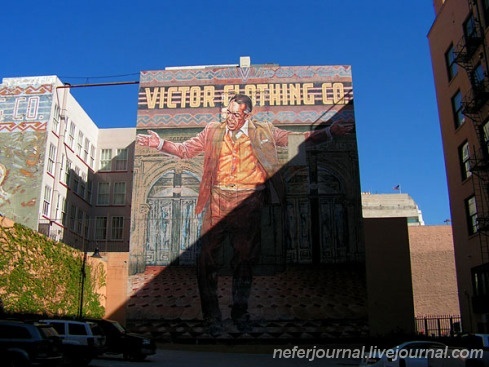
82, 341
29, 344
478, 342
408, 354
132, 346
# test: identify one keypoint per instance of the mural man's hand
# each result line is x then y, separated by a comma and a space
151, 140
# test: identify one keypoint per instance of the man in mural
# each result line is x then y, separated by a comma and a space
240, 162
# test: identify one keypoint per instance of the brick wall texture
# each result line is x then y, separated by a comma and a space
433, 271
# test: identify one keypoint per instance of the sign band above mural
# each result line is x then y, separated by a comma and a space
263, 94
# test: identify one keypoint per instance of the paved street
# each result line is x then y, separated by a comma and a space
222, 356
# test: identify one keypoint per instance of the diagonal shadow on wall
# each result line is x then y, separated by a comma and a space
309, 277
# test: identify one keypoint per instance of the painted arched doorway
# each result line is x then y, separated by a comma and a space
173, 229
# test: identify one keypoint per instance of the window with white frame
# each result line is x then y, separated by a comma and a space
121, 160
51, 158
101, 228
92, 156
452, 66
464, 156
71, 136
103, 193
117, 228
47, 200
58, 208
76, 180
106, 160
457, 109
63, 206
56, 119
68, 172
471, 209
119, 193
79, 144
83, 184
86, 147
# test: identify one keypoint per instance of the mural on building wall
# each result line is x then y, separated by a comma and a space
249, 174
24, 113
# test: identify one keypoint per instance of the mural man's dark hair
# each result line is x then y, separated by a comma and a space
243, 99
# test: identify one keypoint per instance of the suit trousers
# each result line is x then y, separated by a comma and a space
235, 214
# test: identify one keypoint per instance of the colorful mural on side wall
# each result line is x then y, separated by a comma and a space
24, 114
246, 194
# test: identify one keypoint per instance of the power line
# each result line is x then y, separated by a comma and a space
68, 85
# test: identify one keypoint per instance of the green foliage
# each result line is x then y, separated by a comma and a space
41, 276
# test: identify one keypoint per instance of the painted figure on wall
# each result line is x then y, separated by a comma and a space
241, 167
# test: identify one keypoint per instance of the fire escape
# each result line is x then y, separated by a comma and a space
471, 54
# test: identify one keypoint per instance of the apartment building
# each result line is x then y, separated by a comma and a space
60, 173
458, 41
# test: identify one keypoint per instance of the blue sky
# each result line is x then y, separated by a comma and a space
385, 41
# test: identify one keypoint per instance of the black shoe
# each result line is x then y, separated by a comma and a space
214, 327
243, 323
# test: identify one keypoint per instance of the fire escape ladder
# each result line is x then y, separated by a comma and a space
480, 180
470, 52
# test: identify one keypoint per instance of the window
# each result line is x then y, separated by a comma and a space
457, 108
103, 193
464, 157
67, 172
117, 228
105, 160
71, 137
72, 214
101, 228
63, 210
47, 200
89, 190
486, 12
479, 73
119, 193
86, 228
83, 184
51, 158
470, 28
76, 180
92, 156
480, 280
86, 146
56, 119
76, 329
471, 209
452, 66
485, 129
79, 144
79, 221
58, 208
121, 160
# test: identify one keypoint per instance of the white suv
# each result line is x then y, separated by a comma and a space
82, 340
